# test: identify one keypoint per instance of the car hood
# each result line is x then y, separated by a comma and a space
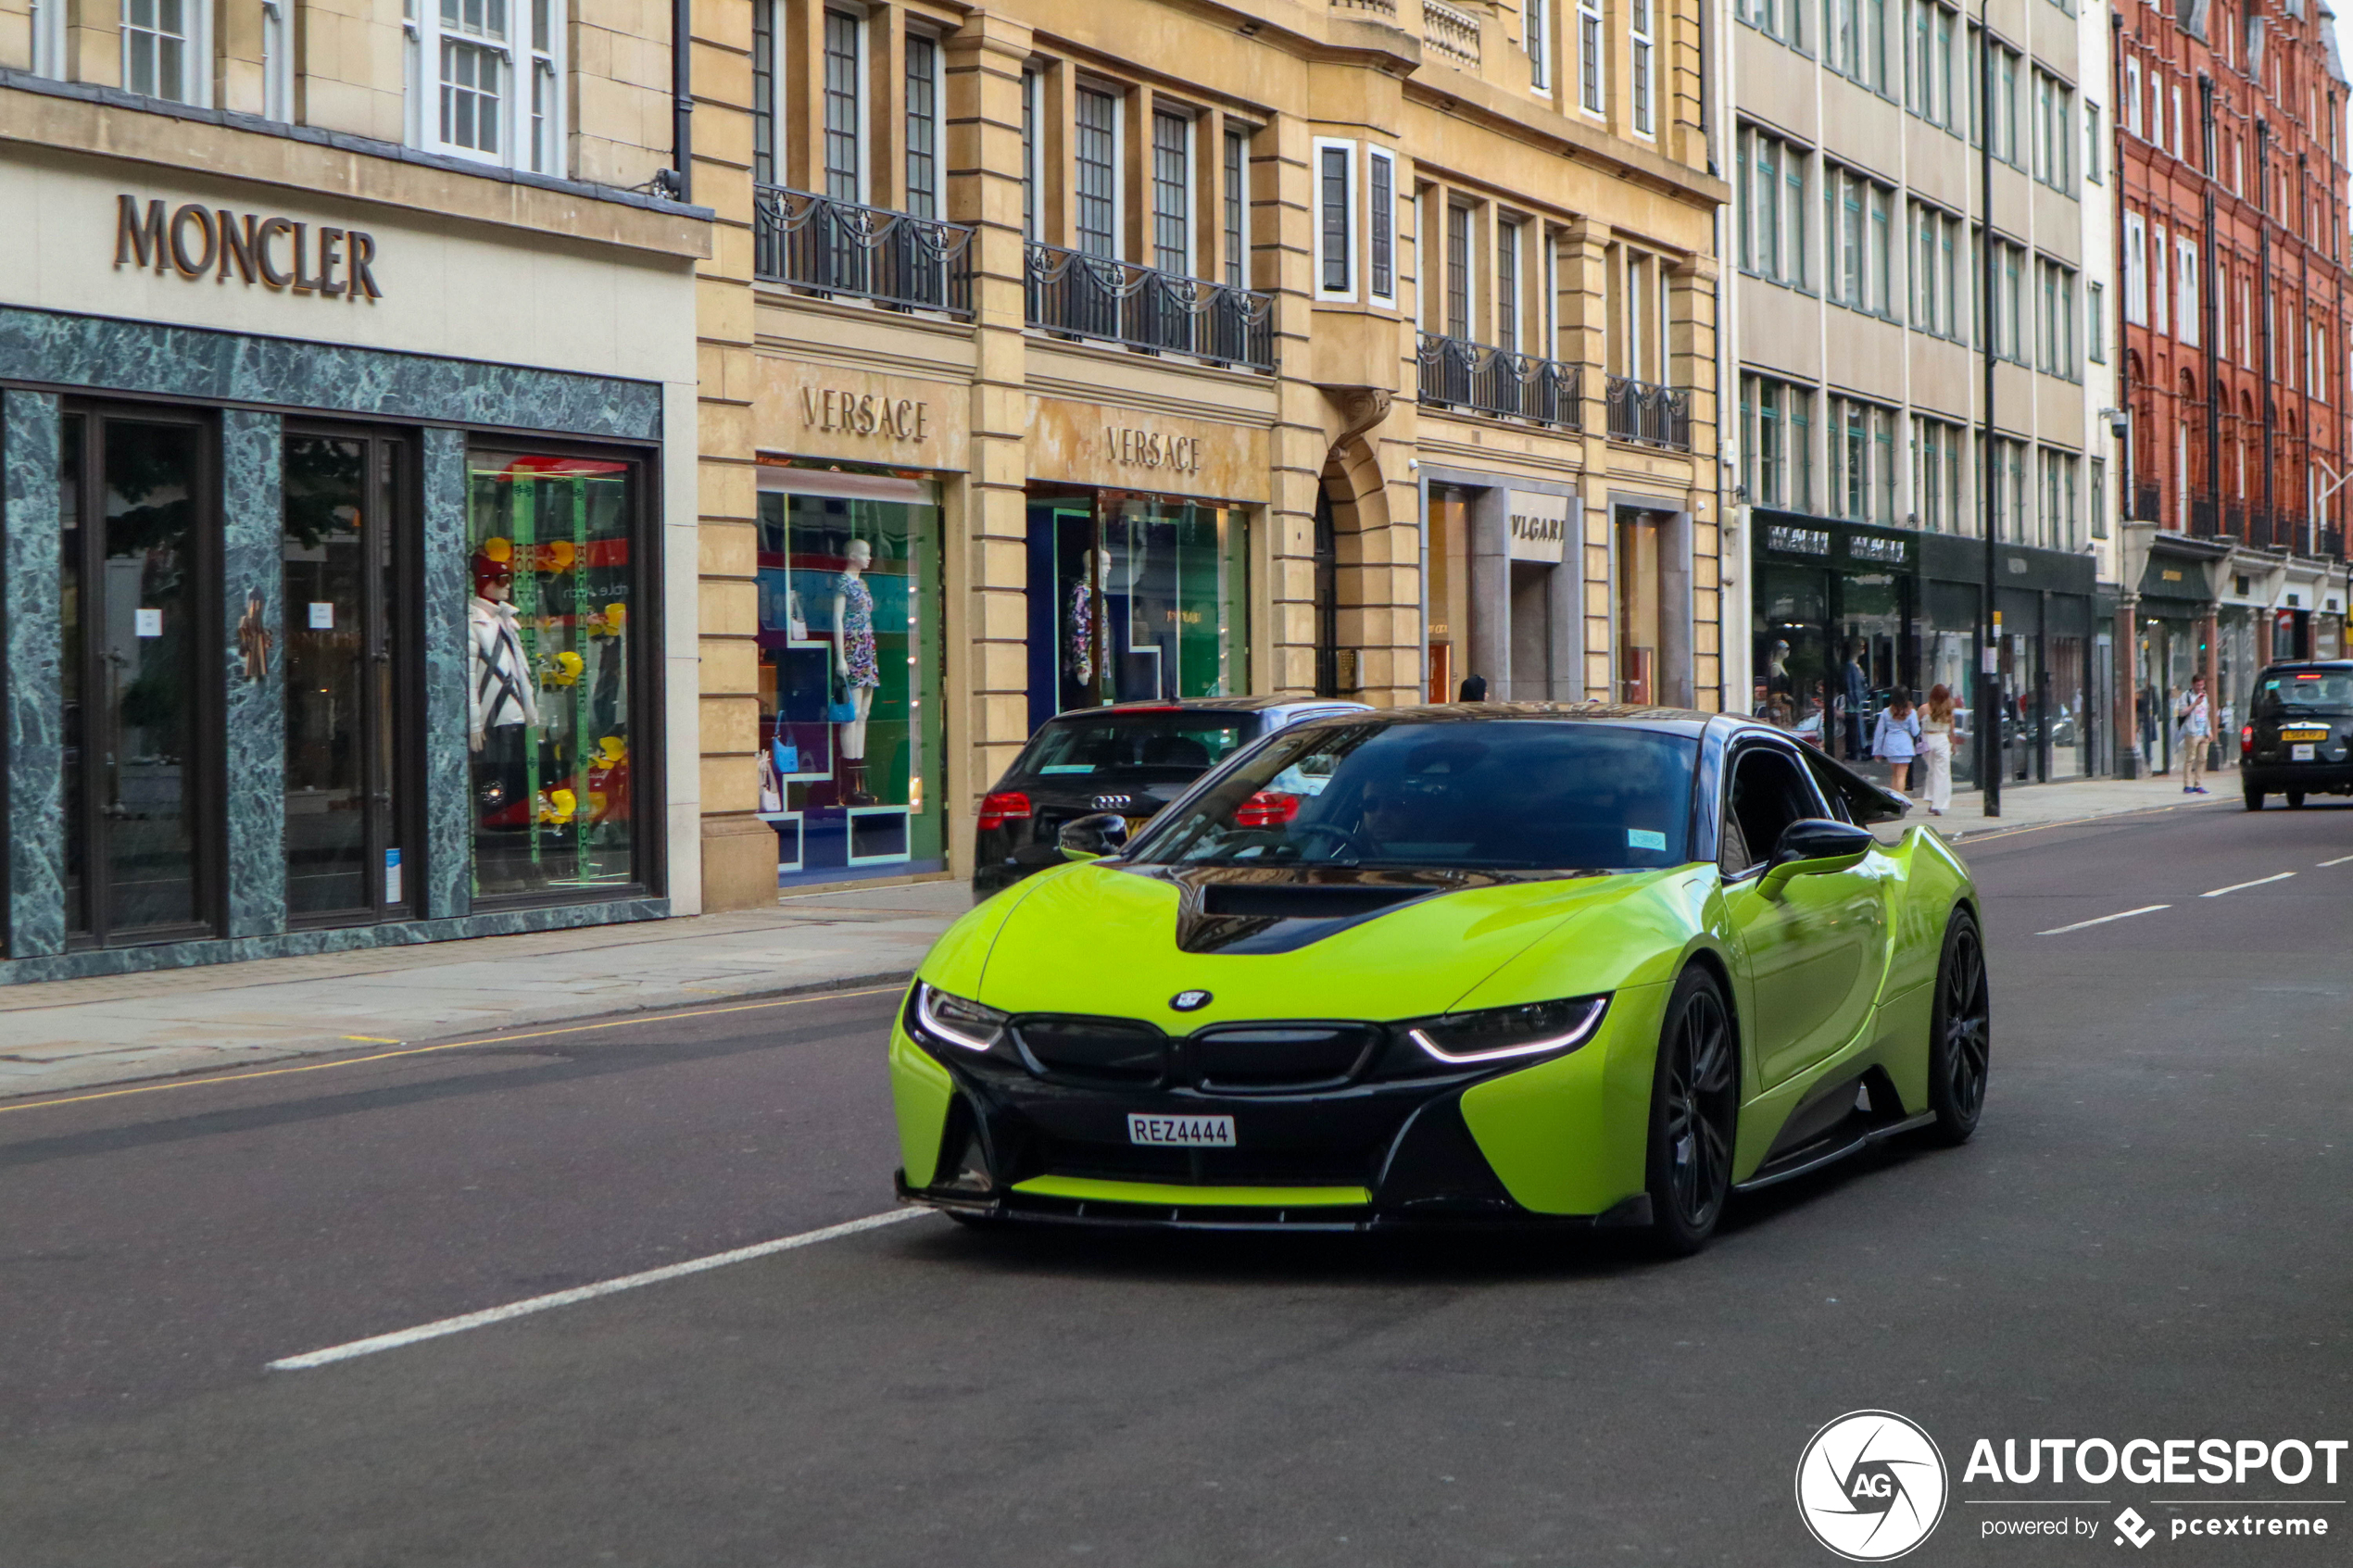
1341, 944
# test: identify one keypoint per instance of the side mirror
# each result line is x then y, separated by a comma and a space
1091, 838
1814, 844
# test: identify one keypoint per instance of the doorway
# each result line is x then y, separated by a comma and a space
138, 606
1638, 628
349, 537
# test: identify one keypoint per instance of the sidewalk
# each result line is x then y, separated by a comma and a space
2027, 806
72, 1033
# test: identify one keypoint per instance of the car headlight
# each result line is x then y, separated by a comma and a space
1462, 1040
951, 1019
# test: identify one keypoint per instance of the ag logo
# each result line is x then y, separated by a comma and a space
1190, 1001
1870, 1486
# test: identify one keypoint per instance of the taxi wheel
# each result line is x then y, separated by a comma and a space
1695, 1110
2295, 800
2254, 798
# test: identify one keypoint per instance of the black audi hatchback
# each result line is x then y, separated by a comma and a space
2299, 737
1132, 759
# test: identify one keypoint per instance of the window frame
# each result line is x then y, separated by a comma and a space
196, 50
1188, 186
1380, 223
1322, 165
933, 83
1593, 75
1642, 65
1114, 232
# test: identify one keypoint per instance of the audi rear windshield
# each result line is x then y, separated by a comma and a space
1168, 745
1518, 795
2287, 692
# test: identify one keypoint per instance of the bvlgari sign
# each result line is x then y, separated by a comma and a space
1539, 526
277, 253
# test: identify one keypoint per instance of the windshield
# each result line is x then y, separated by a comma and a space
1517, 794
2305, 691
1171, 745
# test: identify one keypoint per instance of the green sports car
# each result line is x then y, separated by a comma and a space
1476, 963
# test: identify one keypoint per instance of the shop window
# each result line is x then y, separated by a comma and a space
1134, 599
349, 677
553, 731
138, 604
851, 649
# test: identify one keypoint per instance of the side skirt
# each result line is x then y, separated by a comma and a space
1828, 1151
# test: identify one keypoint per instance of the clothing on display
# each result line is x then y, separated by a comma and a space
858, 631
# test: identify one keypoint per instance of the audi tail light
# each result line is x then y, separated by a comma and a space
1267, 808
1005, 806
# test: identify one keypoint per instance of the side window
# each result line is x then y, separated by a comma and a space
1767, 793
1826, 776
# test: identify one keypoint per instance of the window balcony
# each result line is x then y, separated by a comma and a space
2329, 544
1093, 296
837, 248
2202, 520
1652, 416
1495, 381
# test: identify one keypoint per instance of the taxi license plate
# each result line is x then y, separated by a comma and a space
2300, 753
2304, 735
1181, 1132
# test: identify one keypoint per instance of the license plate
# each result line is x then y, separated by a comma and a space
2300, 753
1181, 1132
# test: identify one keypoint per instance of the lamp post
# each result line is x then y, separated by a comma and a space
1989, 706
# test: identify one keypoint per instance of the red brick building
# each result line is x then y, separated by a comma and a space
2230, 118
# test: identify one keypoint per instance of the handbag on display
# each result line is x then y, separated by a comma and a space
784, 753
839, 709
772, 788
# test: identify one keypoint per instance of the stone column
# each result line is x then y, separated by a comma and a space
987, 600
1675, 684
1491, 591
737, 866
254, 711
1567, 601
1584, 340
36, 800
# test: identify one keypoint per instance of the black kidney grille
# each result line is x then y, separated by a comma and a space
1098, 1051
1263, 1058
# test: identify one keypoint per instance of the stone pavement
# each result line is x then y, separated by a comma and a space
66, 1034
71, 1034
2025, 805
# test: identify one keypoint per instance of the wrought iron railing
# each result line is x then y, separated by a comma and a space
1458, 375
2146, 501
2329, 544
2235, 521
838, 248
1655, 416
2258, 528
2202, 519
1092, 296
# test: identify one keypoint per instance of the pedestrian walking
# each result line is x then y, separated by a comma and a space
1938, 731
1897, 740
2195, 732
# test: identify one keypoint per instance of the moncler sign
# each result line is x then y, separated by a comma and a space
1538, 526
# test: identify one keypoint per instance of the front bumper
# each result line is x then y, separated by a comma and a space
1558, 1142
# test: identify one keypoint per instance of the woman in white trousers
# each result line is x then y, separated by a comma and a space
1936, 748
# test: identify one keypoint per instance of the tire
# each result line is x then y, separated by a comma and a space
2254, 798
1960, 1033
2295, 798
1694, 1113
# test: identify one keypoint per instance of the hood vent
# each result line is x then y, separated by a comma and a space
1268, 910
1303, 900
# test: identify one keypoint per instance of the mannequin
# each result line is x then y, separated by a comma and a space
502, 711
1081, 623
855, 663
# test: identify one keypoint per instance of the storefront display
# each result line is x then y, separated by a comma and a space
849, 673
549, 718
1134, 598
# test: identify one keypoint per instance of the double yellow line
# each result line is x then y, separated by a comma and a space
642, 1018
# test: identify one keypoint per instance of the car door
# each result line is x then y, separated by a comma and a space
1813, 948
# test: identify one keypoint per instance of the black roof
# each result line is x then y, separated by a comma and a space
1198, 704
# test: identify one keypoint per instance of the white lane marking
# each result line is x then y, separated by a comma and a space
2338, 861
2237, 887
2063, 930
393, 1341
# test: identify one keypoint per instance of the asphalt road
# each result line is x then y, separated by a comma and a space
2148, 1239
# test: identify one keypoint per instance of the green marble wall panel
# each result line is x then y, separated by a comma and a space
36, 851
448, 869
252, 447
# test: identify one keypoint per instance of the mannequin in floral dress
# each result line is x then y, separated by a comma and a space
855, 662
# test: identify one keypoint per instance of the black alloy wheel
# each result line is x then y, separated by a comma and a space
1960, 1030
1695, 1111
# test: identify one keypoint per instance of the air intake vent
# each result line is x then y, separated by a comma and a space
1097, 1050
1299, 900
